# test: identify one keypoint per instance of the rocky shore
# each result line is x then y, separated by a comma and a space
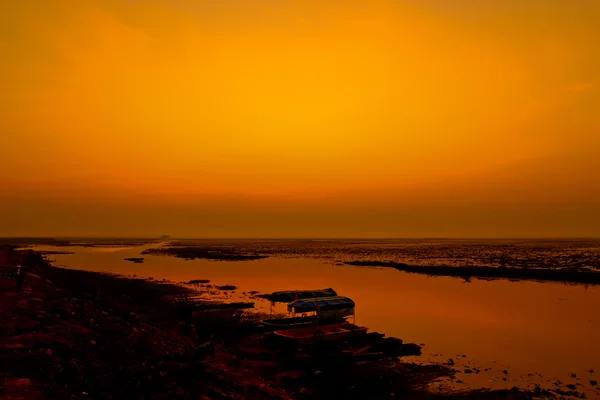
70, 334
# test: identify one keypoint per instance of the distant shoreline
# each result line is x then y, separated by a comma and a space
482, 272
22, 239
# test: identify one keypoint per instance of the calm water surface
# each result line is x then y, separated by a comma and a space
537, 332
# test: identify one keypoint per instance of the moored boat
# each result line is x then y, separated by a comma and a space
323, 305
298, 322
324, 310
327, 333
290, 323
288, 296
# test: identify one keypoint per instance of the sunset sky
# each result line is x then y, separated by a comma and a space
300, 118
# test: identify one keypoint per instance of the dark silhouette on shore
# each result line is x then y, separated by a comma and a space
550, 275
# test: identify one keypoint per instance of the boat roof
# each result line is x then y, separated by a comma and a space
322, 303
288, 296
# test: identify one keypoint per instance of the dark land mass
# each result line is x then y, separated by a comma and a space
137, 260
31, 241
75, 242
70, 334
569, 268
203, 252
542, 275
535, 253
226, 287
54, 252
569, 261
198, 281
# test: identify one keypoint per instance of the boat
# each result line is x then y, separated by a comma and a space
299, 322
290, 323
323, 306
323, 310
288, 296
317, 334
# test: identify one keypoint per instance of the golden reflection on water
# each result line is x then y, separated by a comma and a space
524, 327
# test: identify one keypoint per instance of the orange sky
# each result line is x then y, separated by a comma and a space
279, 118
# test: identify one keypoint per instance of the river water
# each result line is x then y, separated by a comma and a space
498, 334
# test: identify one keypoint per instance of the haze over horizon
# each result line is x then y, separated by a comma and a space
292, 118
291, 238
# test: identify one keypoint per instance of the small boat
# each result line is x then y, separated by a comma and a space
288, 296
327, 333
290, 323
325, 311
299, 322
322, 305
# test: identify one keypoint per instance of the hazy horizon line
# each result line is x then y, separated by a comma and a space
305, 237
